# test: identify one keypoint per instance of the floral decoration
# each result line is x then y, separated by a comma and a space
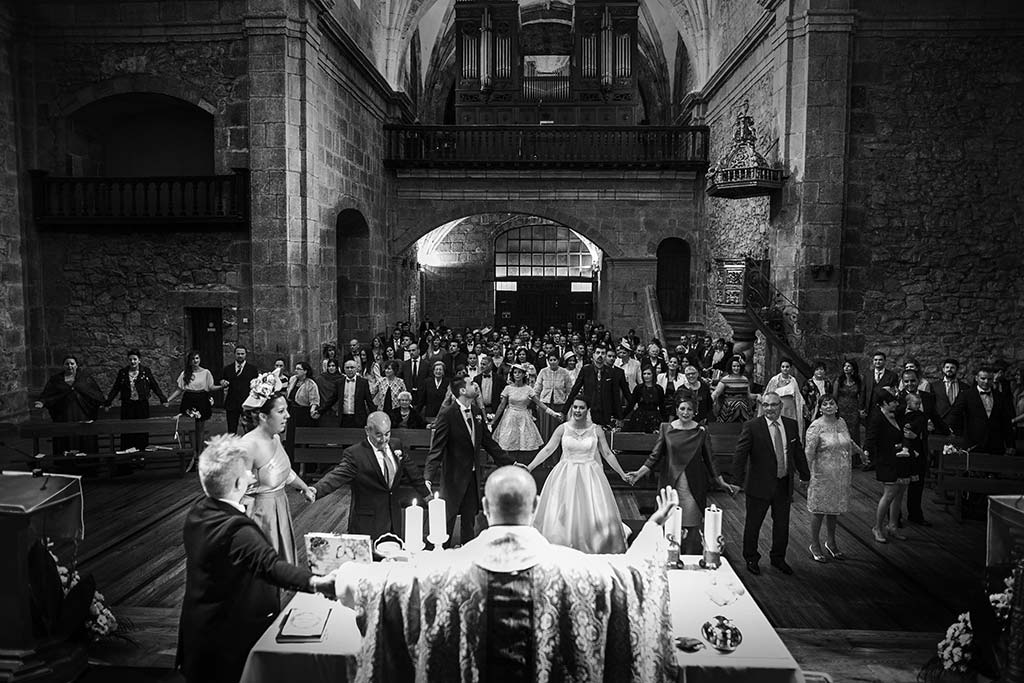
100, 622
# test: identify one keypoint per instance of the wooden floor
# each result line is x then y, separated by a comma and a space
875, 617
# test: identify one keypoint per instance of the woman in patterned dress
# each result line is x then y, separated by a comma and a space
734, 390
514, 429
829, 450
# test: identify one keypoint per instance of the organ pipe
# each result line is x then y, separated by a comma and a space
607, 49
486, 51
590, 56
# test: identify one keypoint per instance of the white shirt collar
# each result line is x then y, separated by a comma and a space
507, 549
233, 503
770, 421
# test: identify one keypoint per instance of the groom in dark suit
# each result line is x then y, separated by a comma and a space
767, 452
454, 463
984, 416
375, 468
236, 379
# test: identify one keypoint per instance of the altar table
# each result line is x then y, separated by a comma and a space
1005, 529
761, 657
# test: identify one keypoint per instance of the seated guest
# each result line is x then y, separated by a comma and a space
231, 572
405, 416
548, 609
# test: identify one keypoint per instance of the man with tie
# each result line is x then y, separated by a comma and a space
601, 387
948, 389
354, 397
455, 465
984, 417
236, 379
414, 371
491, 385
878, 377
768, 451
375, 468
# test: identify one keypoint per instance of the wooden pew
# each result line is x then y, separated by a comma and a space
323, 445
170, 443
984, 473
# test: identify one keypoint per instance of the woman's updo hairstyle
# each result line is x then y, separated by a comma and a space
251, 416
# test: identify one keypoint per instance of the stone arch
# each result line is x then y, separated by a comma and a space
417, 219
133, 83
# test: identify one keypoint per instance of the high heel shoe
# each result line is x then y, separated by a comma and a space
835, 555
895, 533
817, 557
878, 535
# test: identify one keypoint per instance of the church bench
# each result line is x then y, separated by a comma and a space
171, 443
632, 449
323, 445
984, 473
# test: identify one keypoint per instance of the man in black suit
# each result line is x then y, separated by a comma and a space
414, 371
232, 574
491, 384
984, 416
767, 452
876, 378
454, 464
947, 390
236, 379
602, 389
353, 397
375, 468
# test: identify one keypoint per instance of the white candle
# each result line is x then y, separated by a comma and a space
438, 516
674, 526
414, 527
712, 528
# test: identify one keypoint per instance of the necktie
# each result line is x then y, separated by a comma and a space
986, 400
878, 376
415, 368
951, 391
780, 450
389, 467
468, 415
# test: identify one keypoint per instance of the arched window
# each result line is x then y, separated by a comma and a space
544, 250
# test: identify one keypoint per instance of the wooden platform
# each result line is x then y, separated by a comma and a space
875, 617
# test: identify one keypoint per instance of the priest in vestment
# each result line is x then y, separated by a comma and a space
510, 606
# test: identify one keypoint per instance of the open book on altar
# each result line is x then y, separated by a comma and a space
327, 552
305, 625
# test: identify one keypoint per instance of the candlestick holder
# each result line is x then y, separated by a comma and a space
712, 559
438, 540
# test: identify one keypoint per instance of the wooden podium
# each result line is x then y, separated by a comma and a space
31, 508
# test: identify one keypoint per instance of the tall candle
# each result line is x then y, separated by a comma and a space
438, 516
712, 528
414, 527
674, 526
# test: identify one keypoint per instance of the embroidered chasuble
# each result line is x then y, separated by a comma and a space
509, 606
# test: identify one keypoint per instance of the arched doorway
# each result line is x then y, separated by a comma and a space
352, 243
674, 280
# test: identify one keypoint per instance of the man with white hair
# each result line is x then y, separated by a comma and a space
232, 573
510, 606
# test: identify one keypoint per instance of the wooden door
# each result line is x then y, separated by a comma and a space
674, 280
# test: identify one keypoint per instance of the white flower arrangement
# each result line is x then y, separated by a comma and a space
101, 621
956, 649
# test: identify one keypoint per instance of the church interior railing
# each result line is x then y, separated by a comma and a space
547, 145
165, 199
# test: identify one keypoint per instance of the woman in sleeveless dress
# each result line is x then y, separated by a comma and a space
577, 508
734, 391
266, 414
514, 429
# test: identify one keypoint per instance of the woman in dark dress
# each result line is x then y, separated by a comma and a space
405, 416
643, 412
682, 459
133, 386
72, 396
699, 390
893, 464
848, 390
303, 397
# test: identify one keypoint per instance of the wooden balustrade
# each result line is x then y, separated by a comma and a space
566, 146
164, 199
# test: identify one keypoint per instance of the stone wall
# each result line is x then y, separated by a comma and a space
13, 359
933, 241
108, 290
458, 283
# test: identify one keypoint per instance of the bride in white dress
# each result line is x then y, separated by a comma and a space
577, 508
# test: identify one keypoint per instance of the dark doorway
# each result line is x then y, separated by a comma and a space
674, 280
352, 248
542, 302
206, 326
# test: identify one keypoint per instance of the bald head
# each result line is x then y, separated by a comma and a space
510, 496
378, 428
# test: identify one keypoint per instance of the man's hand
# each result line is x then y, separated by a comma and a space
224, 383
309, 494
430, 488
323, 584
668, 500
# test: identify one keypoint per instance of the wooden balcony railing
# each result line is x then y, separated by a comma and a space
165, 199
553, 146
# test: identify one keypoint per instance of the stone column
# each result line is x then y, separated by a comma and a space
286, 311
812, 43
13, 351
622, 302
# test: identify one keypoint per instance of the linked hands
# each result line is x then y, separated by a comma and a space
324, 584
309, 494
